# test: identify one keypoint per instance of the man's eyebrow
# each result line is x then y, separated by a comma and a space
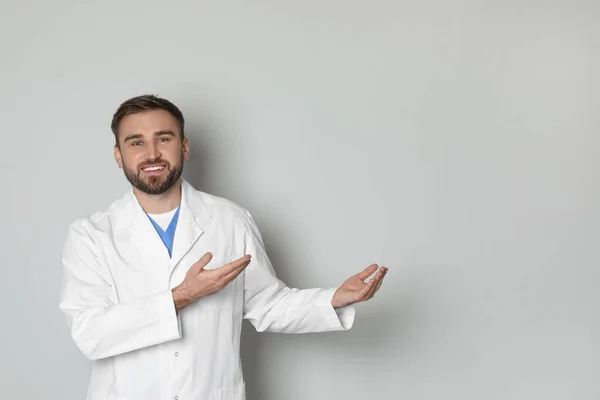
165, 132
132, 136
157, 133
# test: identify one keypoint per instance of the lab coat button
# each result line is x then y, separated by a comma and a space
176, 354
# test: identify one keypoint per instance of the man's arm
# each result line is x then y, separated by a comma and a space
272, 306
100, 325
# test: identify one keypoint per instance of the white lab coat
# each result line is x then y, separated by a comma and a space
117, 298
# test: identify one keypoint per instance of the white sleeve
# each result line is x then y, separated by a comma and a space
272, 306
100, 325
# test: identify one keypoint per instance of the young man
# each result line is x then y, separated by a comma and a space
156, 285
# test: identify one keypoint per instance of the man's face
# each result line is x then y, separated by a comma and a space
151, 151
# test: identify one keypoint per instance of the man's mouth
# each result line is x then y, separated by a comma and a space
154, 168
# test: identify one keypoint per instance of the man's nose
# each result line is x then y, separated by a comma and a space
152, 151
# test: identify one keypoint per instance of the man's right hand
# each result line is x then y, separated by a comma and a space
199, 282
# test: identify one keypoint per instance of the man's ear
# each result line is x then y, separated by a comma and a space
186, 148
118, 157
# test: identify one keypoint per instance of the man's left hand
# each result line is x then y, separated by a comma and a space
355, 289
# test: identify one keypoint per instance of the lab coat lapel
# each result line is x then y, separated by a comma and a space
149, 240
188, 230
142, 235
186, 234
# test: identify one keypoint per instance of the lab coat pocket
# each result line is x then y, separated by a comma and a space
234, 392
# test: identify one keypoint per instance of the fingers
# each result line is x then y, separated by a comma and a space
381, 280
233, 266
373, 285
199, 265
364, 292
367, 272
377, 282
232, 275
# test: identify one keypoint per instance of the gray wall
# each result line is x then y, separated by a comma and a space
454, 141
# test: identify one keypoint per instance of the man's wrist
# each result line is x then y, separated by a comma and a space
181, 297
335, 303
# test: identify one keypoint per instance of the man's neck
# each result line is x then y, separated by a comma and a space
159, 203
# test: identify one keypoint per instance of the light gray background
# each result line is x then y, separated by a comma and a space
454, 141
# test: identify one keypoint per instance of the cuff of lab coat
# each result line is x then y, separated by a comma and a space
168, 315
337, 318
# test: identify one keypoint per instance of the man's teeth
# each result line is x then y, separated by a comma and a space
154, 168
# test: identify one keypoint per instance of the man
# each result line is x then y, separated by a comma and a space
156, 286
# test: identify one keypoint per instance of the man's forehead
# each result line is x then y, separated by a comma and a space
148, 123
150, 117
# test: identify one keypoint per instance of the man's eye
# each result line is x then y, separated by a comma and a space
163, 139
136, 143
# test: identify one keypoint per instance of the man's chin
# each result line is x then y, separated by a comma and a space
158, 188
155, 180
153, 185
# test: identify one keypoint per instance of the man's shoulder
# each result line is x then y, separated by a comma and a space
101, 219
220, 207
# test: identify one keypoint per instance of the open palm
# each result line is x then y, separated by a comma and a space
355, 289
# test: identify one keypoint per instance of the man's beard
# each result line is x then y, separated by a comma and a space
154, 184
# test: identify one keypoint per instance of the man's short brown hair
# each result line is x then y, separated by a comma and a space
143, 103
